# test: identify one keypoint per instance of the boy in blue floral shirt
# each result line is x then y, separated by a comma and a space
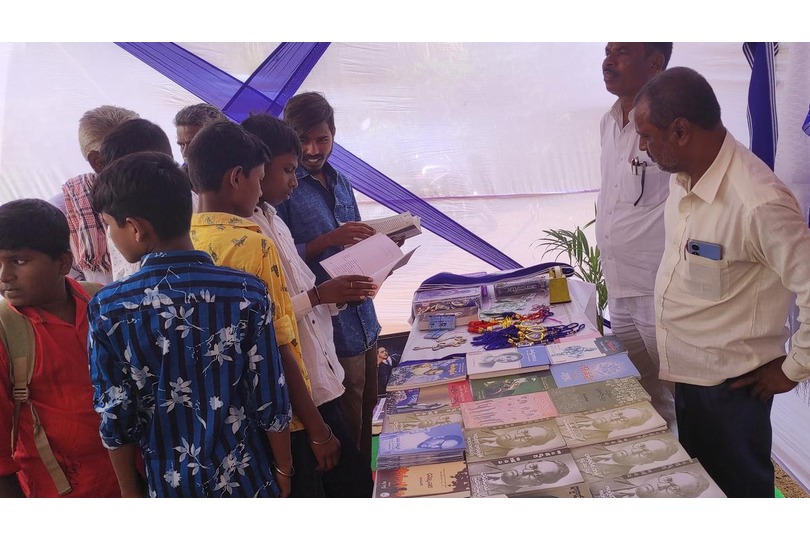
183, 356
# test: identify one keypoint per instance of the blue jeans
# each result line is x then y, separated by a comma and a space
729, 432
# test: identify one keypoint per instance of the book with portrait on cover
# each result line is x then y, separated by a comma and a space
511, 385
593, 370
512, 440
523, 474
684, 480
435, 372
584, 349
598, 396
508, 361
508, 410
582, 429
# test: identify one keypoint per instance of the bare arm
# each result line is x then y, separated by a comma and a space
282, 458
123, 462
304, 408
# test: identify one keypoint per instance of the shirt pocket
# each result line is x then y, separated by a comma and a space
344, 212
706, 278
655, 191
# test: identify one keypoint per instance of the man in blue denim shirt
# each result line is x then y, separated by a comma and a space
323, 218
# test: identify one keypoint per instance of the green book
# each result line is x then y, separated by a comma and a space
511, 385
598, 396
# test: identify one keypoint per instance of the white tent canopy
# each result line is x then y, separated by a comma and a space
501, 137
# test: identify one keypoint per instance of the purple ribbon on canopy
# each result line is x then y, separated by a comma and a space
267, 90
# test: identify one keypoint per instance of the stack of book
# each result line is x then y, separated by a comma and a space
567, 419
437, 444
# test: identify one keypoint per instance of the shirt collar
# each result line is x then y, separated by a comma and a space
222, 218
618, 116
267, 208
331, 173
709, 184
169, 258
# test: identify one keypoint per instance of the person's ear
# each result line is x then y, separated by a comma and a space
233, 176
657, 62
140, 229
94, 159
681, 131
65, 262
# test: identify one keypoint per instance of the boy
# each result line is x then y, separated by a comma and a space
182, 356
35, 259
226, 165
136, 135
313, 306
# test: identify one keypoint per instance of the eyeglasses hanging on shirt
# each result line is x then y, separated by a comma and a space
639, 167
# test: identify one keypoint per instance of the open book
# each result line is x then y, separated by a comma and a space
376, 257
404, 225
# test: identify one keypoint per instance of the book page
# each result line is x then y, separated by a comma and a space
376, 257
396, 224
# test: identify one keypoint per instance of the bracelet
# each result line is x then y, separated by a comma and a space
331, 435
318, 296
282, 473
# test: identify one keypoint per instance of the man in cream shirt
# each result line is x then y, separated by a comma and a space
736, 248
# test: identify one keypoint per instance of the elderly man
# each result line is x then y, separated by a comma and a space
736, 248
88, 242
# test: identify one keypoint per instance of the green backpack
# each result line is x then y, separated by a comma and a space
17, 336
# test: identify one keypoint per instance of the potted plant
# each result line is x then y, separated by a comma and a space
582, 256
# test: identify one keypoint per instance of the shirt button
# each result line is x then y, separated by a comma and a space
615, 185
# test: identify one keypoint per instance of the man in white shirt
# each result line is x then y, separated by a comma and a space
313, 307
736, 248
630, 223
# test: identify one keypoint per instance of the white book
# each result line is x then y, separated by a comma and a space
404, 225
376, 257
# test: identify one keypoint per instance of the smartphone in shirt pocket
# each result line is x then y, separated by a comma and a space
707, 250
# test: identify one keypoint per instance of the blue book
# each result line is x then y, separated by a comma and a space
441, 437
435, 372
510, 361
592, 370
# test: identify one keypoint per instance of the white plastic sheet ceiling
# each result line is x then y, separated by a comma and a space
502, 137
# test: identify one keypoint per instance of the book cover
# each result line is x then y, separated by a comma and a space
422, 347
427, 440
439, 480
430, 398
597, 369
460, 392
583, 429
584, 349
512, 440
377, 416
574, 491
424, 374
685, 480
522, 474
483, 364
508, 410
511, 385
420, 420
598, 396
628, 455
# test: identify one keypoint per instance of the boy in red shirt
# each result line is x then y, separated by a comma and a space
35, 259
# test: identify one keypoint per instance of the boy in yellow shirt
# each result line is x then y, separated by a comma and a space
226, 166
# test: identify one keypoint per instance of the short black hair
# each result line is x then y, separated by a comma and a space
275, 134
664, 48
305, 111
219, 147
145, 185
680, 92
34, 224
137, 135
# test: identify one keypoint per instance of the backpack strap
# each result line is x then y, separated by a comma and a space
20, 343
